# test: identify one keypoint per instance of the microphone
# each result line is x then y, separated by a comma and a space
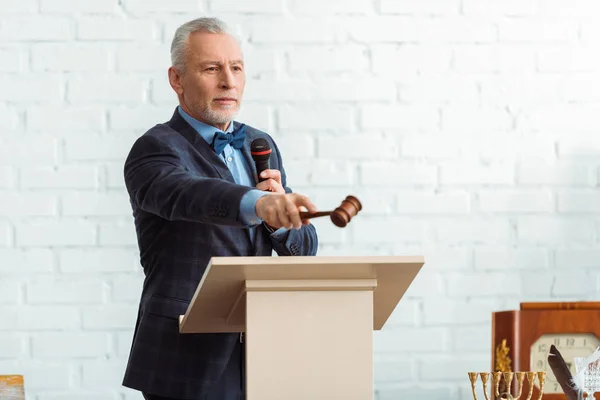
261, 152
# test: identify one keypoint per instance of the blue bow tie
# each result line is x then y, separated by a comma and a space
235, 138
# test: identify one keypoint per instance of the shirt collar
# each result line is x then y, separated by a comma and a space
206, 131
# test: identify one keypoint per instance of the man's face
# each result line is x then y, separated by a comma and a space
211, 88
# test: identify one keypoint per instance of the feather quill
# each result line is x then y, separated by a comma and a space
562, 373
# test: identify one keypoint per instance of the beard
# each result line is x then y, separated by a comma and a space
212, 116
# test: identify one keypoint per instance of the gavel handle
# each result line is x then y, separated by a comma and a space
307, 215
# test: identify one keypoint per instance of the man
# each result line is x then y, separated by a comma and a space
194, 194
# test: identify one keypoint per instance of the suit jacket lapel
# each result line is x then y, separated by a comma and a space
180, 125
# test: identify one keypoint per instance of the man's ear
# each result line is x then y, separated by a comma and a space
175, 81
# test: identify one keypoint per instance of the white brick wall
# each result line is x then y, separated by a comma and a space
468, 128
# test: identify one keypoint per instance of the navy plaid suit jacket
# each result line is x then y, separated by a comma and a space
186, 210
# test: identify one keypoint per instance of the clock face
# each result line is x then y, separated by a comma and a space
570, 345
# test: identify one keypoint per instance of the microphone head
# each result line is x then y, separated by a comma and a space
260, 149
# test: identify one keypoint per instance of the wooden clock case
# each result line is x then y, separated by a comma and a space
515, 331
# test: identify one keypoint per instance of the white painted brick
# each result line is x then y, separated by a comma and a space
103, 28
375, 202
336, 117
406, 314
569, 259
410, 59
472, 338
452, 367
16, 7
433, 203
28, 204
521, 201
124, 340
321, 173
535, 284
10, 119
49, 318
576, 8
505, 7
81, 204
38, 28
127, 289
67, 121
456, 30
106, 89
25, 262
423, 7
430, 282
556, 174
577, 202
377, 173
446, 88
279, 90
555, 231
62, 177
526, 90
289, 146
69, 6
117, 234
406, 118
114, 175
97, 260
439, 258
72, 57
143, 58
255, 7
577, 284
476, 174
28, 150
97, 148
494, 58
10, 290
564, 118
422, 340
480, 120
139, 119
79, 394
388, 368
355, 147
383, 29
590, 32
568, 58
446, 312
331, 7
258, 116
533, 30
298, 30
56, 232
6, 235
23, 88
582, 87
107, 318
579, 148
13, 58
482, 231
388, 230
331, 234
102, 374
415, 390
7, 177
40, 374
260, 60
65, 291
66, 344
153, 7
499, 258
483, 284
12, 345
353, 89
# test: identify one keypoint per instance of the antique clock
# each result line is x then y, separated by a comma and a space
522, 338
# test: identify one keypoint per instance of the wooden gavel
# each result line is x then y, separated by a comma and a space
342, 215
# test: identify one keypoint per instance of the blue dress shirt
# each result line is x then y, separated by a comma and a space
241, 171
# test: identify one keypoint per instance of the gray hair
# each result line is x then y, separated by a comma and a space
179, 45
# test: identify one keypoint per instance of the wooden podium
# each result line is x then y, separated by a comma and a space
308, 321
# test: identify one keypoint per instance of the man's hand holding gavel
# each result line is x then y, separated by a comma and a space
280, 209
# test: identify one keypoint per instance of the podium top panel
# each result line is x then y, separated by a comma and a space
219, 302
